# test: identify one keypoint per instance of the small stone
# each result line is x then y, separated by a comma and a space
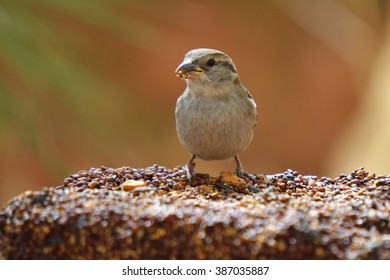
130, 185
92, 184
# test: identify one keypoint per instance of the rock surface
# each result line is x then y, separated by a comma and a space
153, 213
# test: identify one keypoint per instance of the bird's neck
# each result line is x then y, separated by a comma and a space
206, 87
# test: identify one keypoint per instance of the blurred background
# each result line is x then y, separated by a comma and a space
90, 83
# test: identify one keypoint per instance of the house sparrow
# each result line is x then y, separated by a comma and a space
215, 115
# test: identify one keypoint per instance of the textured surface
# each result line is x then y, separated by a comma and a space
152, 213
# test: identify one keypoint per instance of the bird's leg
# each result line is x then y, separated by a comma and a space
190, 168
239, 170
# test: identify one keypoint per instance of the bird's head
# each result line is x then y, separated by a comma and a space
207, 66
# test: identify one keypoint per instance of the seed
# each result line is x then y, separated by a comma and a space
355, 181
160, 212
321, 189
312, 183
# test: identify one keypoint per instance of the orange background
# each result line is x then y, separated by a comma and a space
91, 83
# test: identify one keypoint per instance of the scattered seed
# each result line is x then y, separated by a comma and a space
280, 216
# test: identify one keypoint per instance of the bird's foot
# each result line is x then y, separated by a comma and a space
240, 172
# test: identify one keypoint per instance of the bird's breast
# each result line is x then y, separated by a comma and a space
214, 127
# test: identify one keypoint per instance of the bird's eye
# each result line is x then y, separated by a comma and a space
211, 62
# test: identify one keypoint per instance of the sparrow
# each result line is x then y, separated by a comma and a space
215, 115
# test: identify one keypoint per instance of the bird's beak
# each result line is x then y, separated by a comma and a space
188, 70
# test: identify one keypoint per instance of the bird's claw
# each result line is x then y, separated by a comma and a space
239, 172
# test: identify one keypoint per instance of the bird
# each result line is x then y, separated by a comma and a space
216, 114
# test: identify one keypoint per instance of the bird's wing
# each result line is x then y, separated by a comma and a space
252, 101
